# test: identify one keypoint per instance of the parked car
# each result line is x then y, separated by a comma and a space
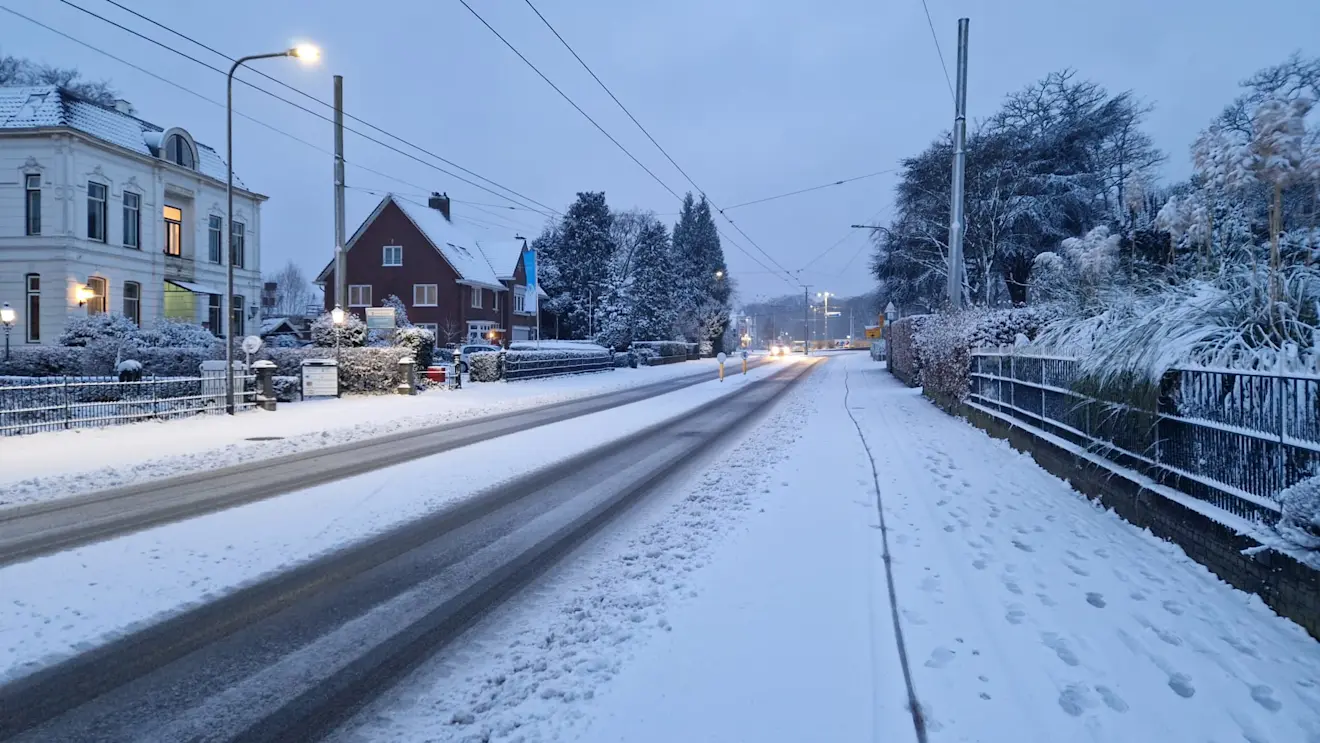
472, 348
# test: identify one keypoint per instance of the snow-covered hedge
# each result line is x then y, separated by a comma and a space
287, 389
44, 361
904, 362
484, 366
1301, 514
664, 348
547, 363
80, 332
556, 345
419, 341
944, 344
361, 370
353, 333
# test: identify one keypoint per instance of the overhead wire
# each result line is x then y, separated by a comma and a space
812, 188
943, 65
303, 108
643, 129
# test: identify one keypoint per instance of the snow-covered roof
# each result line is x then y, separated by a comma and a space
459, 248
271, 324
503, 256
43, 106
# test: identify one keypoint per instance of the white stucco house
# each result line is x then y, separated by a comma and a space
101, 211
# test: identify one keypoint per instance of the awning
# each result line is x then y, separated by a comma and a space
194, 288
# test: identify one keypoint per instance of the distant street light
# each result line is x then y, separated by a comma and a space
7, 318
309, 54
719, 275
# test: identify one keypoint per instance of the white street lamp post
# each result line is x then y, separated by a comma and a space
308, 54
7, 318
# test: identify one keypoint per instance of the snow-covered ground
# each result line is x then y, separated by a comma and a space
73, 600
50, 465
754, 606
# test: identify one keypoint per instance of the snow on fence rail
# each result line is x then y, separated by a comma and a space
60, 403
1234, 438
535, 364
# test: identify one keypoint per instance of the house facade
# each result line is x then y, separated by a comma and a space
449, 283
101, 211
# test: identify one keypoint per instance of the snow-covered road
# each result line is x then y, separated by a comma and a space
753, 606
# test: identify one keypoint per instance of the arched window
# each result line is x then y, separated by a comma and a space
179, 151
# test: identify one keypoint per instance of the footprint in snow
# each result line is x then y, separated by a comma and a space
1076, 699
949, 527
939, 657
1023, 546
1137, 595
1264, 696
1111, 699
1173, 607
979, 564
1060, 647
1096, 600
1012, 586
913, 617
1181, 684
1015, 614
1077, 569
1046, 599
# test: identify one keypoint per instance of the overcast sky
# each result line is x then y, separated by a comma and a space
751, 97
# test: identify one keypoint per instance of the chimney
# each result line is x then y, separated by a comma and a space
440, 201
124, 107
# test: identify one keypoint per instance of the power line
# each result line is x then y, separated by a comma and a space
938, 50
195, 94
587, 116
624, 108
812, 188
299, 106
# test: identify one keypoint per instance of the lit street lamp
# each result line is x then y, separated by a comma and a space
309, 54
719, 275
337, 318
7, 318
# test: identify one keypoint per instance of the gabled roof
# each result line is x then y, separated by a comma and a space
42, 106
503, 256
459, 249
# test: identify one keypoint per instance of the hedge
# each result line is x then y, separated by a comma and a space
484, 366
362, 370
934, 351
665, 348
904, 361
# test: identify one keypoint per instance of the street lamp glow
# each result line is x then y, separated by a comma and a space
308, 53
84, 294
7, 315
719, 274
337, 316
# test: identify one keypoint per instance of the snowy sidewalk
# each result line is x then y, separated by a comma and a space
50, 465
1029, 614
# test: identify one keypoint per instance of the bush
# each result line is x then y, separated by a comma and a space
645, 354
287, 389
665, 348
284, 340
167, 333
1300, 523
944, 344
485, 366
84, 331
353, 334
361, 370
418, 341
44, 361
179, 362
904, 362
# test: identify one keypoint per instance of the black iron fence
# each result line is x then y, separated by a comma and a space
32, 405
528, 366
1233, 438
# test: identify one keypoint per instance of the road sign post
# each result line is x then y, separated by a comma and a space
721, 358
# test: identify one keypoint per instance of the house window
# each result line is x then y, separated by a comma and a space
236, 315
478, 331
237, 243
215, 228
33, 308
214, 313
173, 230
96, 213
132, 220
520, 300
32, 215
133, 301
425, 295
476, 297
392, 255
98, 303
179, 152
359, 295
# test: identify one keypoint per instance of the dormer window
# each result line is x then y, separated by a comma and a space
179, 151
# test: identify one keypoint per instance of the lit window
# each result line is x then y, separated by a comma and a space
359, 295
96, 212
98, 303
392, 256
173, 230
425, 295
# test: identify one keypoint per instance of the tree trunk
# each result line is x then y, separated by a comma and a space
1276, 226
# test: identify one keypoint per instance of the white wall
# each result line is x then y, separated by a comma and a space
64, 256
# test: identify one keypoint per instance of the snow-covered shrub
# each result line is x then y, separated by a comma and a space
287, 389
419, 341
44, 361
1300, 523
284, 340
484, 366
129, 370
84, 331
904, 362
178, 362
525, 364
625, 360
352, 334
361, 370
664, 348
646, 355
167, 333
944, 344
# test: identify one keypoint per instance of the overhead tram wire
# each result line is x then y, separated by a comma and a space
199, 96
600, 128
813, 188
943, 65
664, 152
300, 107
